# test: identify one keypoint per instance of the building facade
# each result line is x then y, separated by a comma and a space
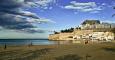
94, 26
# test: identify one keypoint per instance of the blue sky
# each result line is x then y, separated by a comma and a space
71, 17
53, 14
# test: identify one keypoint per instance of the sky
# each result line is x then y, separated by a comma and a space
38, 18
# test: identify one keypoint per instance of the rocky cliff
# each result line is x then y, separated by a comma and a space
83, 35
68, 36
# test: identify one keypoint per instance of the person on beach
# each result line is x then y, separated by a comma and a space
30, 44
5, 46
86, 41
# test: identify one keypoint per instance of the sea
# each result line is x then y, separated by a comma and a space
26, 42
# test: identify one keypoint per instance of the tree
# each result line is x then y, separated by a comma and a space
113, 14
78, 28
67, 30
56, 32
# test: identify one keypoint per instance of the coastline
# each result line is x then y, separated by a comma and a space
26, 42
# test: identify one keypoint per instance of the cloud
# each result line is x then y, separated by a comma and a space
94, 12
11, 34
103, 4
22, 13
44, 4
85, 7
83, 4
1, 28
14, 17
45, 20
34, 30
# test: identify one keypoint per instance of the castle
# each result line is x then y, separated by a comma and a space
91, 30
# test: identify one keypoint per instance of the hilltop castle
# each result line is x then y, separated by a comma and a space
96, 24
91, 30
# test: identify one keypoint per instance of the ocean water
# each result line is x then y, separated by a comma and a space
26, 42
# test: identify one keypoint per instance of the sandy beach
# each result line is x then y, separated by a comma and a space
97, 51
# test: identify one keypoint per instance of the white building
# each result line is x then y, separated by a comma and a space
102, 25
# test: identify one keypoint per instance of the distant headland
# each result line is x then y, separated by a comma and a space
91, 30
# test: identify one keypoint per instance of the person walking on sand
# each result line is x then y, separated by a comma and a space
5, 46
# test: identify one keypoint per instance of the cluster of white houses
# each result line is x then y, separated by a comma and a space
94, 36
100, 36
102, 25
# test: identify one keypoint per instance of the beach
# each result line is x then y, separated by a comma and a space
96, 51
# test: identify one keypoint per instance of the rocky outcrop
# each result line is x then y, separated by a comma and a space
61, 36
68, 36
83, 35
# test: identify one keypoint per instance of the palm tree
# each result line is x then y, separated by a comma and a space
113, 14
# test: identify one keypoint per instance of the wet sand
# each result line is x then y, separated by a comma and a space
96, 51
